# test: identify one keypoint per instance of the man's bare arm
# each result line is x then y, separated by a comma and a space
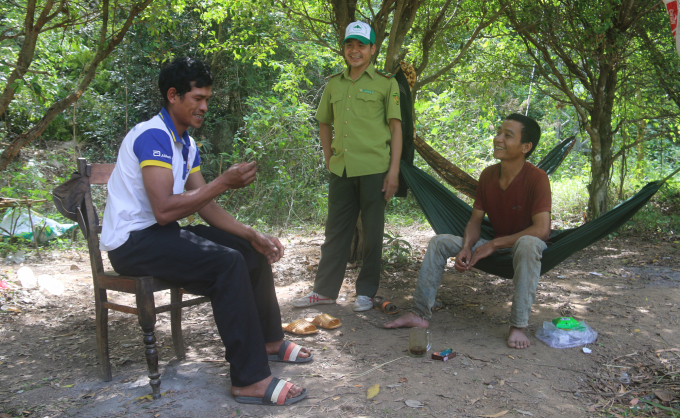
168, 207
219, 218
391, 181
540, 228
473, 230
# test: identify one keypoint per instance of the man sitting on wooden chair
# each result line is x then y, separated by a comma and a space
157, 181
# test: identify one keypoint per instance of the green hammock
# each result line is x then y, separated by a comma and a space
554, 158
449, 215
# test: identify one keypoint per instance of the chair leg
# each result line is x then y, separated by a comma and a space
146, 312
176, 324
102, 320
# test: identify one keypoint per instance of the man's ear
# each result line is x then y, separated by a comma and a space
172, 95
373, 50
525, 149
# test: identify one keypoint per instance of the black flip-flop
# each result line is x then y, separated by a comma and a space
288, 353
274, 395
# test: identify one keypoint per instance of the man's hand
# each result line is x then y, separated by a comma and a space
390, 184
269, 246
239, 175
463, 260
482, 251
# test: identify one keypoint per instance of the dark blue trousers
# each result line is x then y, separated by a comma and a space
237, 278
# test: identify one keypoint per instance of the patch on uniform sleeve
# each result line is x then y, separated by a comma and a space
384, 73
395, 97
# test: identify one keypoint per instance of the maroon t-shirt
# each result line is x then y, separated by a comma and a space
510, 211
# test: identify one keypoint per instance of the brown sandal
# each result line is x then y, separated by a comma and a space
300, 327
325, 321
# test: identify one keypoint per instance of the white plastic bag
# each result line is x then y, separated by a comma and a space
18, 223
565, 338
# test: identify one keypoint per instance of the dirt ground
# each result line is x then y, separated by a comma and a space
625, 289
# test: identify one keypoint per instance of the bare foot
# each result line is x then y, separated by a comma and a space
409, 320
517, 339
273, 348
257, 390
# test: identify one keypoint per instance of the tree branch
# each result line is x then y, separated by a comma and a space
461, 52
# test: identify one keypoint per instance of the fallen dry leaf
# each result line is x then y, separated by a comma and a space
403, 380
372, 391
634, 401
664, 395
500, 414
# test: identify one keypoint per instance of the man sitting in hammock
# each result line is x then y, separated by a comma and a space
516, 197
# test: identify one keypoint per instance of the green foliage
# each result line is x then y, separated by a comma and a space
278, 135
397, 249
268, 80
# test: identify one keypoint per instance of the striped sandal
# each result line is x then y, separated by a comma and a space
288, 353
274, 395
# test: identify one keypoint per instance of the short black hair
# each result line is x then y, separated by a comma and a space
180, 73
531, 132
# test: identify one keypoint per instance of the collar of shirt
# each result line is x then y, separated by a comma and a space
184, 139
370, 70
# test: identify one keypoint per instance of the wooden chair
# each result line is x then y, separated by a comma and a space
143, 287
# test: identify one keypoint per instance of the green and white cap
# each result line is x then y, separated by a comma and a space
361, 31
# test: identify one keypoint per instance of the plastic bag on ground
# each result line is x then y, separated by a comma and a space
562, 338
17, 223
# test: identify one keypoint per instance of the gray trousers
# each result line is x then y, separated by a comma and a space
526, 260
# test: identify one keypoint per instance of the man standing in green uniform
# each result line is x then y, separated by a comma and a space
361, 105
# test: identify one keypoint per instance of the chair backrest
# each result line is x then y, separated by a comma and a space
95, 174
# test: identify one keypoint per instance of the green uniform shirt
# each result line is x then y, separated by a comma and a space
360, 112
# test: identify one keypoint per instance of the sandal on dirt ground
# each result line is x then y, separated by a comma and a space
300, 327
288, 353
385, 306
274, 395
437, 305
325, 321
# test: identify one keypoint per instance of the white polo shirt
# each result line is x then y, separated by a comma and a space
154, 142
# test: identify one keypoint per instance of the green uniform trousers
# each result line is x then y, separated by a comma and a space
346, 198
